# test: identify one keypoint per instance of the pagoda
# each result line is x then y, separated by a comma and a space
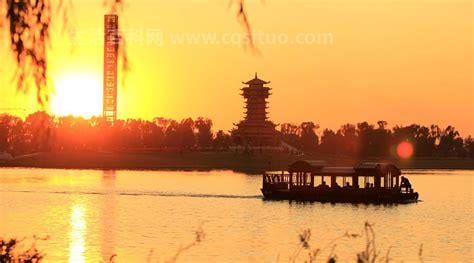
255, 129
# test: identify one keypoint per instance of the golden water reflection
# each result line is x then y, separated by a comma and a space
93, 215
77, 235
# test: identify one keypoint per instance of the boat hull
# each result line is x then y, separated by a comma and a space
341, 196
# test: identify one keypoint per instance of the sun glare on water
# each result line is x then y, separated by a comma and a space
78, 95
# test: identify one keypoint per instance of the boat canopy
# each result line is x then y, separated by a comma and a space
339, 171
307, 166
318, 167
373, 168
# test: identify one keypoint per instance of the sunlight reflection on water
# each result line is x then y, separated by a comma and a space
77, 234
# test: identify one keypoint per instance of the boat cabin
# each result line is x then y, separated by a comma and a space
312, 179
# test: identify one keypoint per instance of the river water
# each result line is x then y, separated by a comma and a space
90, 215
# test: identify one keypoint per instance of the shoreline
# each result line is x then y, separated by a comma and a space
206, 161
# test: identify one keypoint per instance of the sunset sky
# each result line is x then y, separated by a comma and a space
401, 61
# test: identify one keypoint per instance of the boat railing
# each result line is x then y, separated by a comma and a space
276, 178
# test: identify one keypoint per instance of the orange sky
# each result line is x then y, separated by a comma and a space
401, 61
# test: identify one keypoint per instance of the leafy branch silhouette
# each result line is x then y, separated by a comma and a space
29, 25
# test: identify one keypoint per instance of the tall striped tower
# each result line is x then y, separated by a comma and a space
111, 42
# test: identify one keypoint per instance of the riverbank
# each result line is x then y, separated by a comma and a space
205, 161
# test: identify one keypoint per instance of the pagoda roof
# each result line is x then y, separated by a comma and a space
256, 81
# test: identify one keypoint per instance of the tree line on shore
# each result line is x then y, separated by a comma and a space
40, 132
365, 140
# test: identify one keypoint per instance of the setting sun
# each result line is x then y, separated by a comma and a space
77, 94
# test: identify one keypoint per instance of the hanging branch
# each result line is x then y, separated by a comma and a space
29, 23
29, 30
244, 20
117, 7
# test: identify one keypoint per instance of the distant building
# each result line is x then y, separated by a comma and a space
255, 129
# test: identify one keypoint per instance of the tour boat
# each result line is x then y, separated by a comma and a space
305, 181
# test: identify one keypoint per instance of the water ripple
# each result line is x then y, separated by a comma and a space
162, 194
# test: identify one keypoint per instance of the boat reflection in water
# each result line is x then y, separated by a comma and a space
382, 183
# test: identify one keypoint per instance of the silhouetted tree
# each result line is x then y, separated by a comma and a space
380, 139
204, 132
291, 134
450, 143
16, 138
186, 134
350, 144
159, 134
39, 131
309, 139
423, 138
151, 135
365, 132
172, 138
331, 142
425, 143
5, 130
65, 139
222, 141
469, 146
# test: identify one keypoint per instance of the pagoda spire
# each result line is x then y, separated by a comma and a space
256, 129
